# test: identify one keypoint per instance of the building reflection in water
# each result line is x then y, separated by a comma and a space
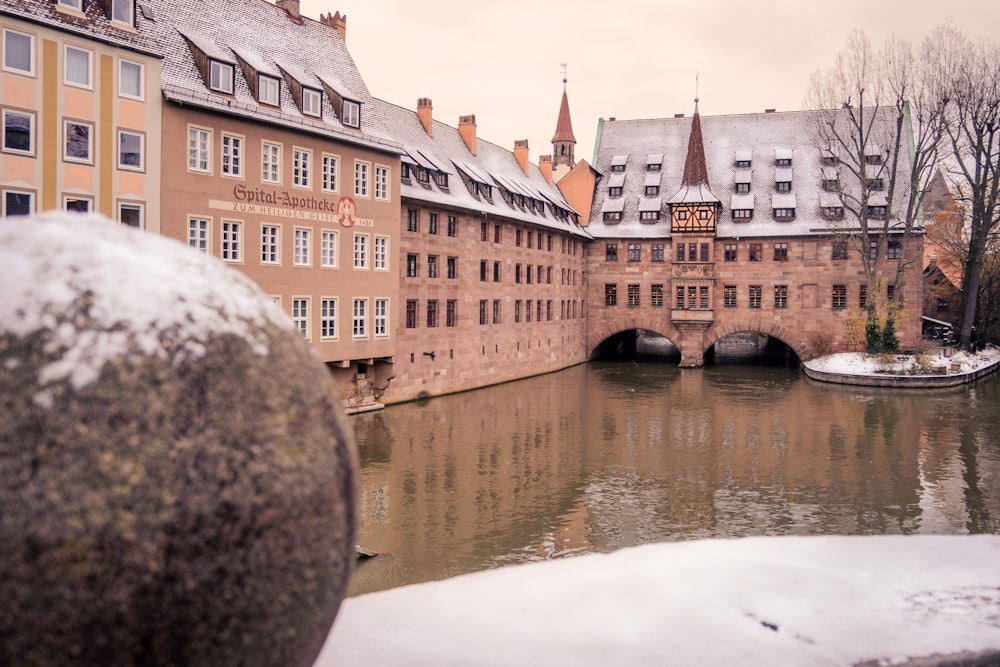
605, 456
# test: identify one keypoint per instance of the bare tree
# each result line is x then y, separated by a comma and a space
967, 80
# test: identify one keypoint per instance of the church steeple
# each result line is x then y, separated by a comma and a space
694, 207
563, 141
695, 168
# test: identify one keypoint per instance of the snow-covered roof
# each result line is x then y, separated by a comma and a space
652, 179
651, 204
744, 155
97, 25
783, 200
782, 174
616, 180
743, 176
742, 201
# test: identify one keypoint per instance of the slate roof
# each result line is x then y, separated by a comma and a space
268, 39
96, 26
762, 138
491, 165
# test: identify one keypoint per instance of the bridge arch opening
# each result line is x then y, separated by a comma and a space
751, 347
636, 345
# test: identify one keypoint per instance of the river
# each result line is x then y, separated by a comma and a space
608, 455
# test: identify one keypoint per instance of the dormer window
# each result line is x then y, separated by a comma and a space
652, 190
617, 168
352, 113
612, 216
833, 213
221, 77
618, 163
654, 162
831, 184
784, 214
653, 167
783, 162
71, 4
877, 212
744, 164
441, 179
123, 11
404, 171
783, 186
744, 159
783, 157
649, 216
743, 187
742, 214
875, 183
312, 102
423, 176
873, 157
615, 192
267, 90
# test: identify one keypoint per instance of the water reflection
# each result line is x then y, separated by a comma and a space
603, 456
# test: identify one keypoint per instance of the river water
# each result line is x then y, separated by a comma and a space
607, 455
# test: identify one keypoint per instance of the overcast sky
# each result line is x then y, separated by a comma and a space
627, 59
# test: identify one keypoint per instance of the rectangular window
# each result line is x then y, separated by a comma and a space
361, 251
729, 252
610, 294
528, 274
130, 79
312, 102
610, 252
452, 268
656, 296
328, 319
18, 52
432, 312
451, 313
527, 310
411, 314
77, 204
269, 235
649, 216
893, 250
302, 255
359, 319
517, 311
681, 252
328, 249
16, 202
411, 266
432, 223
432, 266
77, 67
329, 173
360, 179
656, 253
781, 252
381, 320
729, 296
692, 297
270, 162
863, 296
381, 253
131, 215
756, 252
679, 298
199, 145
412, 220
703, 252
301, 162
496, 234
781, 296
268, 90
783, 186
382, 183
18, 132
220, 77
198, 234
130, 150
633, 296
79, 145
755, 296
483, 270
232, 156
482, 311
483, 235
300, 316
496, 311
496, 272
634, 252
452, 226
232, 241
839, 296
890, 292
352, 113
742, 214
703, 298
839, 250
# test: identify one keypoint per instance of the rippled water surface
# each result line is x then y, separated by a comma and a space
608, 455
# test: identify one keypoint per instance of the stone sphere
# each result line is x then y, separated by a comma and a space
177, 478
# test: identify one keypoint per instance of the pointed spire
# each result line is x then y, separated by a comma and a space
695, 168
564, 126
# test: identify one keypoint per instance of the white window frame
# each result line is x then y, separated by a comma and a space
268, 90
199, 233
312, 102
123, 64
13, 191
382, 182
300, 314
75, 5
199, 149
231, 162
89, 83
142, 150
331, 167
270, 244
381, 253
89, 159
129, 5
362, 170
7, 66
301, 168
302, 252
216, 80
133, 205
328, 318
231, 241
31, 132
78, 198
270, 162
361, 252
351, 116
380, 318
329, 242
359, 318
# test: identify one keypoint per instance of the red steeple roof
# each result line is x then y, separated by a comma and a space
695, 169
564, 126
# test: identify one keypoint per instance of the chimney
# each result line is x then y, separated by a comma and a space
290, 6
545, 166
521, 154
678, 115
425, 111
337, 21
467, 128
933, 261
769, 110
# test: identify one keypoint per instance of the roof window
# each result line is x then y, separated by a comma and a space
221, 77
352, 113
744, 159
268, 90
312, 102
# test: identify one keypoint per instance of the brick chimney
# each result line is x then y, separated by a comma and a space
467, 129
290, 6
425, 111
521, 154
336, 21
545, 166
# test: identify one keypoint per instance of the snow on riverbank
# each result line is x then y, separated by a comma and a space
858, 363
803, 601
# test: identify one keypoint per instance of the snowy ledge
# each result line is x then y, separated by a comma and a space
917, 371
802, 601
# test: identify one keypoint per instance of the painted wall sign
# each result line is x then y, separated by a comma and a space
284, 204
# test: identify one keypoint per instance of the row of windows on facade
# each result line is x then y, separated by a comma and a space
783, 214
23, 202
697, 297
78, 140
121, 12
368, 253
543, 311
522, 273
234, 154
873, 155
329, 311
544, 241
701, 252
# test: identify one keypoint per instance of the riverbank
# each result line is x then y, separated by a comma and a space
943, 367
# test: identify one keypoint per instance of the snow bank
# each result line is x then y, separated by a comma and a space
857, 363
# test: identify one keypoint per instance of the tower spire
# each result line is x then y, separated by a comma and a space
563, 141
